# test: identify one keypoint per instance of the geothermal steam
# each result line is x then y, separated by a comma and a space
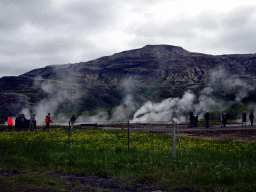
177, 109
209, 100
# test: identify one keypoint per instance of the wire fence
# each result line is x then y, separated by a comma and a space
157, 136
145, 125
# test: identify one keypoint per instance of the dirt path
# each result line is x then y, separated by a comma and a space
247, 133
89, 182
233, 131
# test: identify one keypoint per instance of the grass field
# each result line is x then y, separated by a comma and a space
227, 165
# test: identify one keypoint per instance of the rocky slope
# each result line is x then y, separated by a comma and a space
154, 70
164, 64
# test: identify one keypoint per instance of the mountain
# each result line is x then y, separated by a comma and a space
152, 72
164, 63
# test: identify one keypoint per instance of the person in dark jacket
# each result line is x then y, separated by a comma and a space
72, 120
224, 121
206, 117
18, 123
191, 119
195, 120
244, 118
23, 119
251, 118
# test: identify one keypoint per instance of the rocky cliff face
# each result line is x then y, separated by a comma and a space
163, 64
152, 67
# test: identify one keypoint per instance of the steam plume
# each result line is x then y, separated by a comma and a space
209, 100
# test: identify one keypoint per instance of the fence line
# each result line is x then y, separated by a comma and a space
172, 130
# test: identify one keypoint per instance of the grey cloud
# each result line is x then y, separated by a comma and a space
238, 31
15, 13
58, 45
239, 17
223, 32
42, 47
91, 15
240, 41
59, 35
8, 16
227, 33
142, 41
207, 21
182, 28
177, 28
25, 57
61, 32
12, 69
84, 15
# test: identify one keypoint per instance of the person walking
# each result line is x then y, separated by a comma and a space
251, 118
191, 119
48, 121
244, 118
195, 120
23, 119
206, 117
18, 123
32, 122
9, 123
221, 119
224, 119
72, 120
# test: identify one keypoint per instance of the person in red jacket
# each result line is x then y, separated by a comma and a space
48, 121
9, 122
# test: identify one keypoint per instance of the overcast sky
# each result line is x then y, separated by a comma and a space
37, 33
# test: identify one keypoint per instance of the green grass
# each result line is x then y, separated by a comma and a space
204, 165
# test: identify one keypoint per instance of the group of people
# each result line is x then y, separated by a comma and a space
48, 121
193, 119
223, 119
251, 117
21, 122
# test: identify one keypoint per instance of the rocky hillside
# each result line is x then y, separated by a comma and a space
163, 64
154, 71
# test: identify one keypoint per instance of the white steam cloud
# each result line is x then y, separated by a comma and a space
57, 95
226, 83
220, 84
168, 109
121, 112
209, 99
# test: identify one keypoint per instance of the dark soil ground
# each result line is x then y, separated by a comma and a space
75, 182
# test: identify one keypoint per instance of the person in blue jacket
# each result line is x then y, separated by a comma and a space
221, 119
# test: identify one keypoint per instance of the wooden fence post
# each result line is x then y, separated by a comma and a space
128, 136
173, 139
179, 139
69, 130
